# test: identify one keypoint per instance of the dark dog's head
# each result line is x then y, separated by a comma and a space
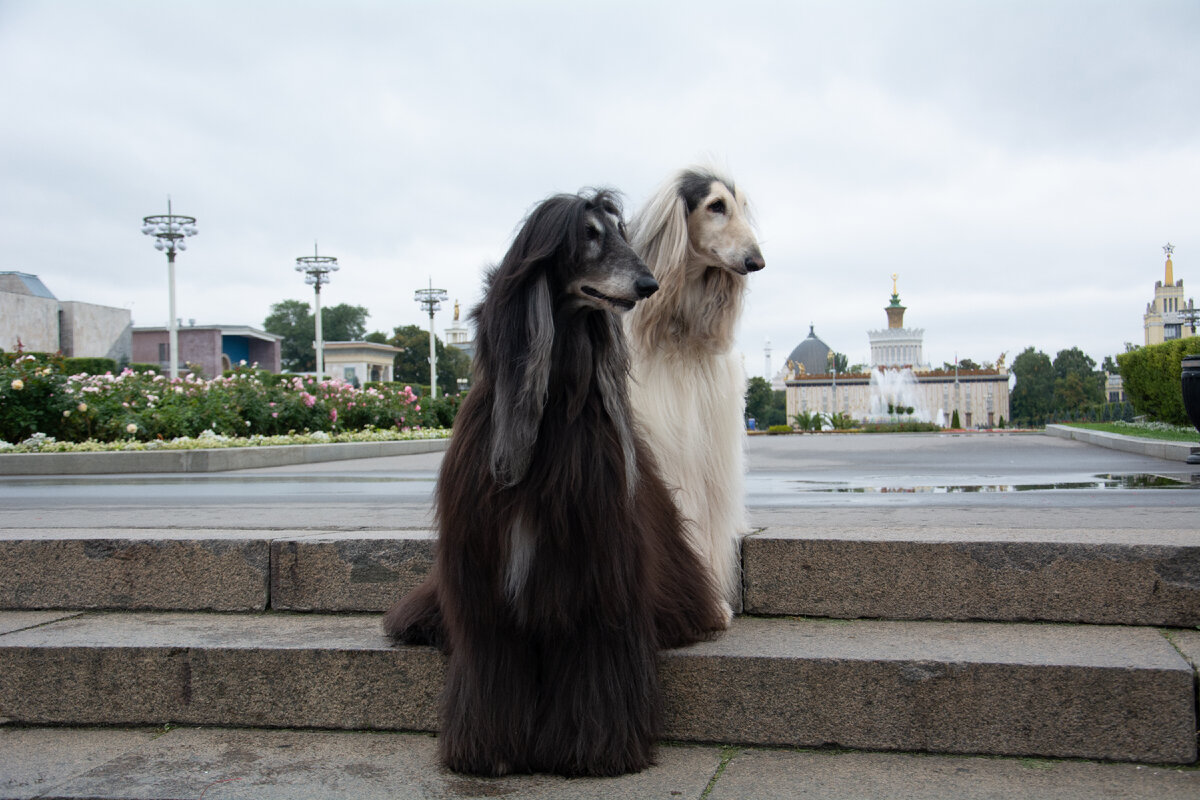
570, 256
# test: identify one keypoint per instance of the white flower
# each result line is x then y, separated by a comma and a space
83, 406
18, 384
131, 428
67, 413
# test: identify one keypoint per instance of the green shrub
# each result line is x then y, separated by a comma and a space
841, 422
88, 366
1151, 378
777, 429
808, 420
908, 426
954, 423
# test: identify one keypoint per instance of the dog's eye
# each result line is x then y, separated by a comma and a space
717, 206
592, 232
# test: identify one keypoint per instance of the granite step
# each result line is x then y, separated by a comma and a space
1046, 690
1091, 576
1117, 577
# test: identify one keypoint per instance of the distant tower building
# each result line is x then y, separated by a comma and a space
897, 346
1162, 321
459, 335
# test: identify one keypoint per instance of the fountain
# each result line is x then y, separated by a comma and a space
898, 389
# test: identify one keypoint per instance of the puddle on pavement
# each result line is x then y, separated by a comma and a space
1103, 481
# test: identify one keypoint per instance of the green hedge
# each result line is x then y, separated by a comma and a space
89, 366
1151, 377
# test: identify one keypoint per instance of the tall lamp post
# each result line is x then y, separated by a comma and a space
170, 231
316, 269
431, 300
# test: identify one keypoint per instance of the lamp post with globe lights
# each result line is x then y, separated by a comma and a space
316, 269
170, 232
431, 300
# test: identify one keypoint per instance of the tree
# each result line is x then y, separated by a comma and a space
841, 363
412, 365
1077, 383
295, 322
963, 364
759, 400
1034, 391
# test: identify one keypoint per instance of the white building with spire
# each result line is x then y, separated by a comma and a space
896, 345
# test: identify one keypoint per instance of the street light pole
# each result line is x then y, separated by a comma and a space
170, 231
316, 269
431, 299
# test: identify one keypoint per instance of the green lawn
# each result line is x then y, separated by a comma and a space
1143, 431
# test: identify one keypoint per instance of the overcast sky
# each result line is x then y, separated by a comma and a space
1018, 164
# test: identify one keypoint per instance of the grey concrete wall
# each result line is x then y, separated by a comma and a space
91, 331
33, 320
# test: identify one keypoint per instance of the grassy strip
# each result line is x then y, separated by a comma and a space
1158, 431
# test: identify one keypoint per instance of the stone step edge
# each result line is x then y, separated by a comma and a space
985, 688
952, 574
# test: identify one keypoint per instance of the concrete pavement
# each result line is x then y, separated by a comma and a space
220, 763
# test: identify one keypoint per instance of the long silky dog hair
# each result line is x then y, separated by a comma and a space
695, 236
562, 565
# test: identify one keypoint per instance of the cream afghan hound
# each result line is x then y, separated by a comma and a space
688, 387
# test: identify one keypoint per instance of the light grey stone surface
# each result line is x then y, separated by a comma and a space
1097, 576
214, 460
348, 571
1170, 451
1050, 690
35, 760
1013, 689
784, 775
279, 670
325, 765
1187, 643
149, 570
19, 620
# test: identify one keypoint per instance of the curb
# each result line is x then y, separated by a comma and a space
211, 460
1169, 451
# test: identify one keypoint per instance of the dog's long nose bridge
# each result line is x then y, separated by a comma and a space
645, 286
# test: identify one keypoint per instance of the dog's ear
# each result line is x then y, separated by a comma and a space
522, 362
659, 233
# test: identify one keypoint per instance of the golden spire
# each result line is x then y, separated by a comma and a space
1169, 248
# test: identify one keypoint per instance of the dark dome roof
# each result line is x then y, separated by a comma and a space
813, 354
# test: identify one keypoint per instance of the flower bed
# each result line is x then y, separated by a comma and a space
40, 405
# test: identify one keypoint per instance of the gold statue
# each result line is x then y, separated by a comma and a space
894, 276
456, 311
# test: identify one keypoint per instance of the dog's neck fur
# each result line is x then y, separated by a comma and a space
694, 312
591, 355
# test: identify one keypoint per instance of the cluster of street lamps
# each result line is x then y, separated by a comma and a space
170, 232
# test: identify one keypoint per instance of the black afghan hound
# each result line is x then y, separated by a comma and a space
562, 563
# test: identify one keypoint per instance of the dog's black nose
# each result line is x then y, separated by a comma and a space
754, 262
645, 286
